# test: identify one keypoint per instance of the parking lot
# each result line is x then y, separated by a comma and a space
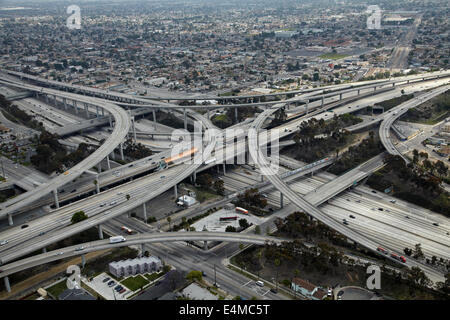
105, 290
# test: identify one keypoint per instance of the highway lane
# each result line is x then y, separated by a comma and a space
117, 136
314, 211
137, 239
240, 148
140, 191
397, 112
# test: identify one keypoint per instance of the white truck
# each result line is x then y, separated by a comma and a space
117, 239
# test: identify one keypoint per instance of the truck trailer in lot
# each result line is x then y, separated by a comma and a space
117, 239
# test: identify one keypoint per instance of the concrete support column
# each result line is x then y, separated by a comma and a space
113, 155
65, 103
110, 121
359, 91
175, 190
307, 105
87, 110
281, 200
10, 219
322, 101
154, 115
97, 185
262, 178
224, 170
121, 152
100, 232
134, 128
142, 249
103, 112
195, 176
55, 194
75, 106
144, 209
185, 119
99, 167
46, 98
108, 163
208, 113
205, 245
236, 114
7, 286
83, 260
340, 96
96, 111
54, 99
393, 84
44, 250
374, 88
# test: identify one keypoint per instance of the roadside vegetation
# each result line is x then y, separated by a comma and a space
51, 156
418, 183
320, 255
430, 112
317, 139
358, 154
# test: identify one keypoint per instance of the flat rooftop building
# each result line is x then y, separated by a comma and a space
129, 267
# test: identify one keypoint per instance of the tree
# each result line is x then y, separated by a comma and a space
257, 230
78, 216
230, 229
194, 275
418, 251
169, 219
243, 223
219, 187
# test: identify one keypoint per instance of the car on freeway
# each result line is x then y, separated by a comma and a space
24, 226
3, 242
352, 216
436, 224
41, 233
345, 222
103, 204
373, 191
119, 193
106, 279
358, 201
407, 217
112, 203
380, 209
162, 177
381, 249
79, 248
347, 199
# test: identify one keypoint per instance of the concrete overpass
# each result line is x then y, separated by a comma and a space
138, 239
400, 110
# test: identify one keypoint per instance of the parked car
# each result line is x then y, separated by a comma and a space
106, 279
122, 290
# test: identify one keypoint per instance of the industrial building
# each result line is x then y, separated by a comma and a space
129, 267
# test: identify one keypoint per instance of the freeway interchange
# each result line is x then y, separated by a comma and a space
55, 226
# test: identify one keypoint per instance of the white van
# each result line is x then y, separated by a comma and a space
260, 283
